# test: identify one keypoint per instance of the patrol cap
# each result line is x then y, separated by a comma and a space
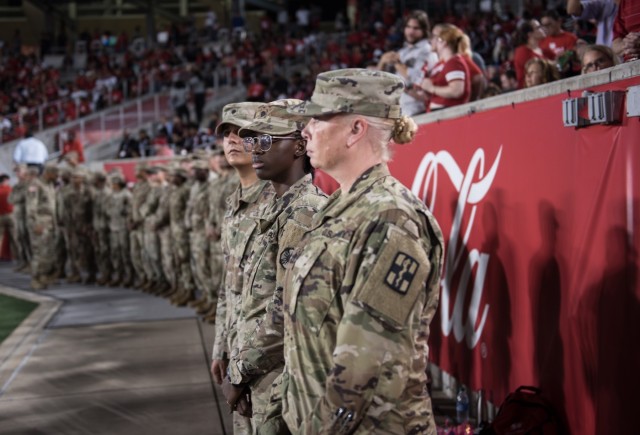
238, 114
155, 169
273, 118
354, 90
200, 164
141, 167
117, 178
79, 172
179, 172
99, 176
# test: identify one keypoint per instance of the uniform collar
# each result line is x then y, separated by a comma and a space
277, 205
248, 195
338, 202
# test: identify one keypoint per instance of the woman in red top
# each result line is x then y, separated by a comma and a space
528, 40
72, 144
449, 83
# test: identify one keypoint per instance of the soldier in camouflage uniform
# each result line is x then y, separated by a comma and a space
101, 193
136, 235
161, 224
362, 287
62, 236
195, 219
40, 208
151, 249
183, 286
221, 189
118, 213
279, 155
79, 205
238, 231
17, 198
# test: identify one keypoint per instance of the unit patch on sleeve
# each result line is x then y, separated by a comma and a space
285, 257
401, 273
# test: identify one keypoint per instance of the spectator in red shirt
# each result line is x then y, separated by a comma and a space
6, 220
626, 30
557, 40
528, 38
450, 82
72, 144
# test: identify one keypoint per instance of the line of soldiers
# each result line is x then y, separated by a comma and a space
162, 236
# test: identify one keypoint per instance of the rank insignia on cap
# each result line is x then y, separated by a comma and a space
285, 257
401, 273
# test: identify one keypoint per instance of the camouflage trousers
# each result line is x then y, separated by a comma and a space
7, 230
21, 235
201, 267
269, 420
152, 256
43, 251
81, 251
241, 425
136, 253
120, 254
166, 252
103, 259
182, 260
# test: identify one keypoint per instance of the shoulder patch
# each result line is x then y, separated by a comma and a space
401, 273
285, 257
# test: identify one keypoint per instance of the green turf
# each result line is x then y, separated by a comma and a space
12, 312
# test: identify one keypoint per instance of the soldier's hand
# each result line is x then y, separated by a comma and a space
219, 370
232, 393
244, 407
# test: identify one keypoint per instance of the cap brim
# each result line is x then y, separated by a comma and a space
235, 123
265, 128
309, 108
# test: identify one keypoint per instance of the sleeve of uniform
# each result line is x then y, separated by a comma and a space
220, 348
377, 346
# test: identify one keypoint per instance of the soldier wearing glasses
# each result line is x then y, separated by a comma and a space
361, 288
279, 156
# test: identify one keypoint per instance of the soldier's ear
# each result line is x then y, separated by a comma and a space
301, 147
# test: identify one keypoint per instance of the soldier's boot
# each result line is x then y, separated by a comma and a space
171, 290
26, 269
204, 309
128, 281
51, 279
210, 316
103, 280
197, 303
177, 296
115, 282
91, 279
38, 284
161, 288
147, 286
20, 267
73, 279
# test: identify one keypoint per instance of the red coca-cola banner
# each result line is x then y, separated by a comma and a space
540, 282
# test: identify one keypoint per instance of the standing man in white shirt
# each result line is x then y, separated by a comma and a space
409, 61
31, 151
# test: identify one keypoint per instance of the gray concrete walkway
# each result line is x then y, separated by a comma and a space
96, 360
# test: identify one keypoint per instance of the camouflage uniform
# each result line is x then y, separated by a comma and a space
17, 198
279, 230
118, 214
151, 247
101, 230
40, 208
161, 221
221, 189
79, 205
180, 236
361, 290
136, 236
65, 223
196, 219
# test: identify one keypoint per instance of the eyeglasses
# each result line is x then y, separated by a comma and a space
264, 141
595, 65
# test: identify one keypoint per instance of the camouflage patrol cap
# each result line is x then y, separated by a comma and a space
238, 114
117, 178
179, 172
79, 172
354, 90
99, 176
141, 167
273, 118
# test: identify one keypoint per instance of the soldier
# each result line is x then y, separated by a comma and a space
62, 237
151, 248
221, 188
101, 193
118, 214
40, 207
196, 218
362, 286
136, 235
79, 206
17, 198
161, 225
279, 155
238, 231
183, 285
